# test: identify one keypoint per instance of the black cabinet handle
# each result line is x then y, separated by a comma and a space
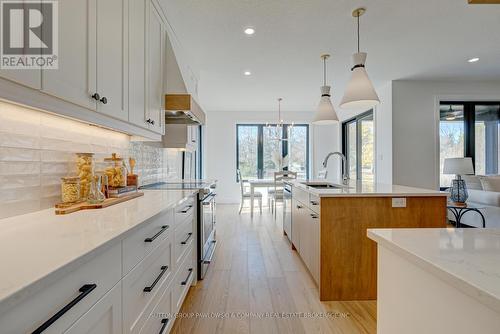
185, 241
163, 229
299, 207
104, 100
96, 96
152, 122
314, 203
150, 288
165, 324
189, 207
187, 278
314, 216
84, 291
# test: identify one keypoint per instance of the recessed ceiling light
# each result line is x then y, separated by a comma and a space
247, 73
473, 60
249, 31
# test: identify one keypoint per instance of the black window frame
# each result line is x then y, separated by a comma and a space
260, 146
469, 110
356, 119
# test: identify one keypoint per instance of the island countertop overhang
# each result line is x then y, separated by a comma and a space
357, 188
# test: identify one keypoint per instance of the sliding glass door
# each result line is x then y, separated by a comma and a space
358, 145
470, 129
260, 153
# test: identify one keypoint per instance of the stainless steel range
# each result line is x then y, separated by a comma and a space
206, 222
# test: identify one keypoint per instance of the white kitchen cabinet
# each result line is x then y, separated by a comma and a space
112, 58
138, 15
105, 317
306, 235
29, 78
147, 57
314, 255
156, 61
75, 80
297, 209
93, 56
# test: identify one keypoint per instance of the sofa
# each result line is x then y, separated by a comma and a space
484, 191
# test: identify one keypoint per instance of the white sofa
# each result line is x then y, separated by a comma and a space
483, 190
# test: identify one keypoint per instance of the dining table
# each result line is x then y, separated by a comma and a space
258, 183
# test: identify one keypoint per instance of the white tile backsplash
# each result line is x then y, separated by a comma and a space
37, 149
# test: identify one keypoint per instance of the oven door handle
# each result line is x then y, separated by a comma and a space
214, 242
208, 199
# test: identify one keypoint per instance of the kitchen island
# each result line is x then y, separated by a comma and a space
438, 280
329, 224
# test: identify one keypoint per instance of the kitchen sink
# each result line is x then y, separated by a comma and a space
325, 185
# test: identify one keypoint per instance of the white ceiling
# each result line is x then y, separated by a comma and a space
405, 39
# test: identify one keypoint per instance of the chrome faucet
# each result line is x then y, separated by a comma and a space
345, 172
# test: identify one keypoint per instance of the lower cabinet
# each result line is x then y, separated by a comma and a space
105, 317
306, 236
102, 296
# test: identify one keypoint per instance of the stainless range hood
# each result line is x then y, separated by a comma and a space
183, 109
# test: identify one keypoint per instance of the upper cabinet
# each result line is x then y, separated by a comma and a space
93, 56
75, 80
112, 58
146, 66
111, 67
156, 61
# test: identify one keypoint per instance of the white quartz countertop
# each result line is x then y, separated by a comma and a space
38, 246
364, 189
468, 259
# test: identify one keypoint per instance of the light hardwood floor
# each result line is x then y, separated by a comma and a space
255, 271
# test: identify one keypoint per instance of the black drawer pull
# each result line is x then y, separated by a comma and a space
84, 291
185, 241
314, 216
104, 100
163, 229
299, 207
187, 278
314, 203
189, 207
165, 324
150, 288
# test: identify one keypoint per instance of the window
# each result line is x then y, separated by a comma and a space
259, 154
358, 145
470, 129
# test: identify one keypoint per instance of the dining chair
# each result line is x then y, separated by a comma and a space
277, 194
245, 194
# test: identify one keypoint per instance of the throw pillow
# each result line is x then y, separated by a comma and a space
491, 183
473, 181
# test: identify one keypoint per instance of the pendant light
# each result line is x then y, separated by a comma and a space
359, 93
325, 113
279, 125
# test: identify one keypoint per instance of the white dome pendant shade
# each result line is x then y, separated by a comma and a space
325, 113
359, 93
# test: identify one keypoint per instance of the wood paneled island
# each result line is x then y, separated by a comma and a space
329, 227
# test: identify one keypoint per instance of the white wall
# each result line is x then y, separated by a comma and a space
415, 140
220, 146
383, 135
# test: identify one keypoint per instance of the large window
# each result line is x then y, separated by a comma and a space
259, 154
470, 129
358, 145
